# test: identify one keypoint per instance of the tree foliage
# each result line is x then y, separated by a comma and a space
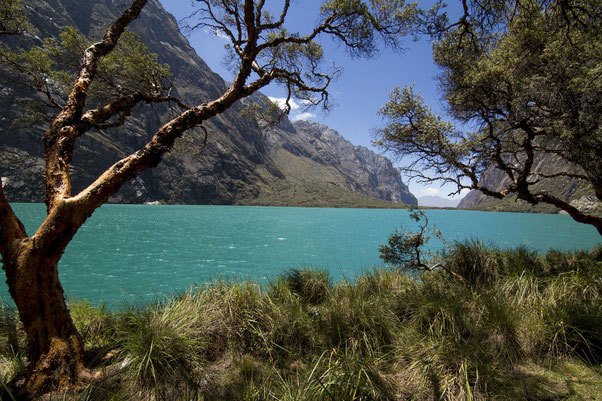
13, 18
525, 78
404, 248
295, 59
51, 67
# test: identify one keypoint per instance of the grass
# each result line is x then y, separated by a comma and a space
523, 326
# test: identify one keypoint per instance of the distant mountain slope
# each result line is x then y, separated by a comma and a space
243, 163
311, 155
577, 192
437, 201
234, 162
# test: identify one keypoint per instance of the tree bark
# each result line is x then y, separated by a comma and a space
55, 347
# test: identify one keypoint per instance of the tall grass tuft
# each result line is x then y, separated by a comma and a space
473, 260
12, 345
158, 347
311, 285
572, 312
94, 322
520, 261
357, 323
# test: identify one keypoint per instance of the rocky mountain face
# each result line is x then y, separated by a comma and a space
577, 192
307, 151
243, 162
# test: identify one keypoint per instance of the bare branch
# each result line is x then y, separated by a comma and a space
277, 24
575, 213
151, 154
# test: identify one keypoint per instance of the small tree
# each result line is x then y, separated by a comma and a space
99, 97
526, 75
404, 249
13, 20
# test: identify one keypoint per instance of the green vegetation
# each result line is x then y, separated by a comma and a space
261, 51
522, 326
315, 194
521, 81
311, 184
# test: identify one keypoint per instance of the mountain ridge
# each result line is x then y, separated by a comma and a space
437, 201
240, 161
578, 192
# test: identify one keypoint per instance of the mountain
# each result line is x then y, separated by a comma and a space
437, 201
578, 192
244, 161
318, 163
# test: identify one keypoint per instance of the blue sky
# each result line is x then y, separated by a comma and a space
357, 94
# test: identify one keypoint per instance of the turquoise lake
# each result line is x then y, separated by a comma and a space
138, 253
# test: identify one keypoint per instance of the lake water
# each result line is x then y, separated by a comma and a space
135, 253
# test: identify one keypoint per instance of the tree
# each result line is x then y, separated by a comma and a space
526, 76
404, 249
13, 20
98, 96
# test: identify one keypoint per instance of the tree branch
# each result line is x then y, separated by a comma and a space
441, 265
575, 213
123, 105
59, 139
151, 154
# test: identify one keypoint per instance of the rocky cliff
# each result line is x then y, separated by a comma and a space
243, 162
311, 154
577, 192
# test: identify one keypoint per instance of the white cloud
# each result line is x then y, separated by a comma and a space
303, 116
281, 102
218, 33
430, 191
296, 107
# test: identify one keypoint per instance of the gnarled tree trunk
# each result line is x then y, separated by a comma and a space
55, 347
